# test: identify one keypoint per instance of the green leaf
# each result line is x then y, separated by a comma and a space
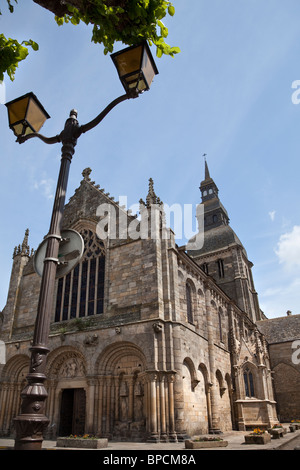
171, 10
59, 20
175, 50
35, 46
159, 52
31, 43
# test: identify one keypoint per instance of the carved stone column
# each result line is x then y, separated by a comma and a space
9, 408
117, 398
153, 434
100, 407
3, 396
163, 423
130, 401
108, 405
90, 406
172, 431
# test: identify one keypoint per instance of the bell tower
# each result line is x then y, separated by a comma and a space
222, 255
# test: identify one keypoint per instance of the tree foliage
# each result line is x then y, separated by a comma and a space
126, 21
12, 51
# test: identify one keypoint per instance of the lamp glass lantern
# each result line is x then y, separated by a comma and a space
26, 114
136, 68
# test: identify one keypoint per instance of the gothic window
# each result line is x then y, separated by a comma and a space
80, 293
189, 305
248, 381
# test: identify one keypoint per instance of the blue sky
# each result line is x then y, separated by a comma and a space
227, 94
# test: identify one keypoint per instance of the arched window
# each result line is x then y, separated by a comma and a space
189, 304
81, 292
249, 384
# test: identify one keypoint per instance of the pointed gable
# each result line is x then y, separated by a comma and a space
83, 205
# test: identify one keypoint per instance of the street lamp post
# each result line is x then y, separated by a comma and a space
136, 70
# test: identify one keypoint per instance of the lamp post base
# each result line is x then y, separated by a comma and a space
29, 431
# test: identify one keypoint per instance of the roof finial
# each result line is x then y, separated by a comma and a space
23, 249
206, 175
86, 174
25, 241
151, 198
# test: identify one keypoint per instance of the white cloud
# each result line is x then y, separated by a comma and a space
46, 186
276, 300
288, 248
272, 215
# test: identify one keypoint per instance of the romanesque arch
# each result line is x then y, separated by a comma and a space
122, 406
120, 356
67, 405
66, 362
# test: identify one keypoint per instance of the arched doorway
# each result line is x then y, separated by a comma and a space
67, 403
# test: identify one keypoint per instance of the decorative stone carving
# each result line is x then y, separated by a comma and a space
73, 367
91, 340
157, 327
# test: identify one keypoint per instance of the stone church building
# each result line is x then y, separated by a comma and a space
148, 340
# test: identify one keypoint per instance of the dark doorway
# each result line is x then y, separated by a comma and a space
72, 412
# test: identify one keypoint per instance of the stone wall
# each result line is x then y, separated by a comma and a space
283, 336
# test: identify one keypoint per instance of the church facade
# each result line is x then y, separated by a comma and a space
148, 340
